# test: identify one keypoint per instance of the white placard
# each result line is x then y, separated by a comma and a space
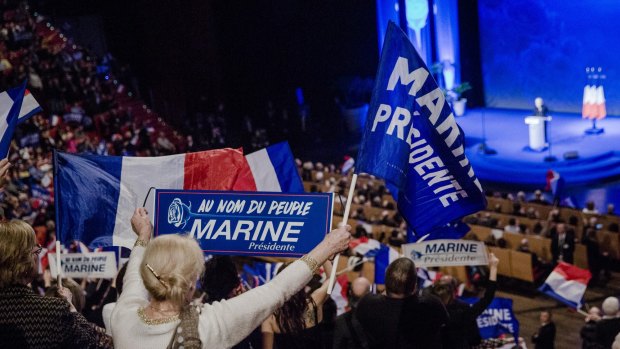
444, 253
85, 265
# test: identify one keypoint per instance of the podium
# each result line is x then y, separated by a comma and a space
537, 130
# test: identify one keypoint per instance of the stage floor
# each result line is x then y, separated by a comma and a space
596, 170
507, 133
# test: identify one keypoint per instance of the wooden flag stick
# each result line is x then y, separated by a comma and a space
345, 219
58, 277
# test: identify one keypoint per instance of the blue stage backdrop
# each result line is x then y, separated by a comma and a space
541, 48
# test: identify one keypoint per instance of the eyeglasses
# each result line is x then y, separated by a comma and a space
37, 249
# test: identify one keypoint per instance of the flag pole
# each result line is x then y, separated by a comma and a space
345, 219
58, 277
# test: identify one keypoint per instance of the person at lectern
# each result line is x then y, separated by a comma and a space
540, 109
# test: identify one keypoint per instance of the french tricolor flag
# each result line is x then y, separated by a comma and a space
30, 107
385, 255
95, 196
340, 293
567, 284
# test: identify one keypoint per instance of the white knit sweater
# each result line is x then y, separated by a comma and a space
221, 325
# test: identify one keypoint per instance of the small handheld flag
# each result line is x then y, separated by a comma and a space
10, 106
567, 284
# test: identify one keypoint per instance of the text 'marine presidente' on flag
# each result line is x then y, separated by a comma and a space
96, 195
10, 106
411, 140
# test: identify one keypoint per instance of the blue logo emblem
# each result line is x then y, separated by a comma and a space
179, 213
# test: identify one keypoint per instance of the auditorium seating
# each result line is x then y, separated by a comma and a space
515, 264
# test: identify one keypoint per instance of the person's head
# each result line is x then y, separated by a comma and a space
512, 222
594, 311
400, 278
290, 317
18, 253
359, 288
610, 209
538, 102
610, 306
171, 267
560, 228
545, 316
220, 278
538, 194
78, 298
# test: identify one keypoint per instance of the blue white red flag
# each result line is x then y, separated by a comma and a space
10, 106
567, 284
555, 183
340, 293
95, 195
260, 273
412, 140
383, 257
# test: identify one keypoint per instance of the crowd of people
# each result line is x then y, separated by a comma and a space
154, 301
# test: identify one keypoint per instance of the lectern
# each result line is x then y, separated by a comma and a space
538, 134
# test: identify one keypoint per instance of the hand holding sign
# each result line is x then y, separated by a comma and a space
141, 224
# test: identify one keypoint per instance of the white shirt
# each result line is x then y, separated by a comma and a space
221, 324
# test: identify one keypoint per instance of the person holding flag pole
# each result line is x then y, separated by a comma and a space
412, 141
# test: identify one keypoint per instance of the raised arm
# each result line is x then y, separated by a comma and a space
489, 292
226, 323
320, 294
133, 287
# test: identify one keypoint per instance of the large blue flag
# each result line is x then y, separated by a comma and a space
411, 140
10, 106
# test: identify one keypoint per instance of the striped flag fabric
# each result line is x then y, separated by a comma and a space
10, 105
385, 255
273, 169
95, 195
340, 293
260, 273
567, 284
30, 107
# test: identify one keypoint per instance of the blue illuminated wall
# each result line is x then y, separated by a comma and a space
541, 48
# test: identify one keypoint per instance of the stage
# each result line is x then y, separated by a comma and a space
597, 165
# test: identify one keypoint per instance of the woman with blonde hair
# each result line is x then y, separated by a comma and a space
154, 312
28, 320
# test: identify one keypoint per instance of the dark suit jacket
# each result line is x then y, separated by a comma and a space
545, 338
606, 331
30, 321
566, 250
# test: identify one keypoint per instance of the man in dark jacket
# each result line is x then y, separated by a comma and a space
562, 244
588, 331
401, 319
608, 328
545, 337
348, 332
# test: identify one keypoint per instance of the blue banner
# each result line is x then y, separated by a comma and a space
497, 319
412, 140
246, 223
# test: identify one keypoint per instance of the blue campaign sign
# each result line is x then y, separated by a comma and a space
246, 223
497, 319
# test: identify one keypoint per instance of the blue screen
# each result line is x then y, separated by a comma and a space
541, 48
